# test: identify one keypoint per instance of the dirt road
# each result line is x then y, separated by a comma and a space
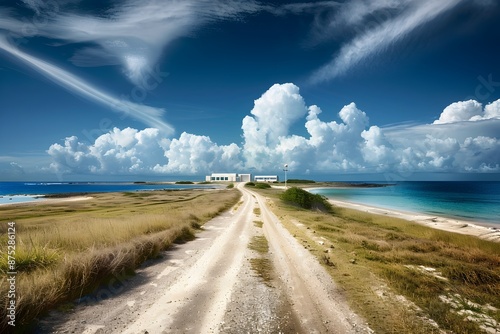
208, 286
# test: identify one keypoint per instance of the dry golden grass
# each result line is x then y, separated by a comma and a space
65, 250
261, 265
385, 263
258, 223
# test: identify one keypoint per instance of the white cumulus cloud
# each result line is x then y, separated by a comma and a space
470, 110
273, 114
459, 143
127, 151
132, 151
194, 154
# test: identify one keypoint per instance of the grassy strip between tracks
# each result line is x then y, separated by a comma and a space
400, 276
66, 249
261, 265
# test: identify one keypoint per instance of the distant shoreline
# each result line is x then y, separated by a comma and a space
346, 185
37, 194
482, 230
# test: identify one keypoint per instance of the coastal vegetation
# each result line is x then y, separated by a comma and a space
64, 250
258, 185
306, 200
301, 181
401, 276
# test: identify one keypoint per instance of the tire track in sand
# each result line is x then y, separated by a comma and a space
317, 302
204, 289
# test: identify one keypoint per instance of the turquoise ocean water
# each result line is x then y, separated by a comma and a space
473, 201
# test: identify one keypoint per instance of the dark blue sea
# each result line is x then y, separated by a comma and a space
473, 201
16, 192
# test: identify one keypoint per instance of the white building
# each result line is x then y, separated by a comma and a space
245, 177
229, 177
266, 178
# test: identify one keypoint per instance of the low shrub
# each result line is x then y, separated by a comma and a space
306, 200
258, 185
300, 181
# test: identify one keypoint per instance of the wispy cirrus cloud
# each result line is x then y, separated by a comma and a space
302, 7
132, 34
395, 20
149, 115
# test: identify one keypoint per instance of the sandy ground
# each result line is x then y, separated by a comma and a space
447, 224
207, 286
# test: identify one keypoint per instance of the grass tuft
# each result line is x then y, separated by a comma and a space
259, 244
31, 258
261, 265
258, 223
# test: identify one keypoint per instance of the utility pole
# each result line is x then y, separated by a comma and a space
286, 170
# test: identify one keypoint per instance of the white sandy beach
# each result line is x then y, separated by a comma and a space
30, 200
481, 230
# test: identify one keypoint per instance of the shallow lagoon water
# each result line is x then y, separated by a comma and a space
473, 201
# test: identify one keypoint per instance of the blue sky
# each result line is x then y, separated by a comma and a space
355, 89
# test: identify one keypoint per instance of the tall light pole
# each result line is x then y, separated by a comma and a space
286, 170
